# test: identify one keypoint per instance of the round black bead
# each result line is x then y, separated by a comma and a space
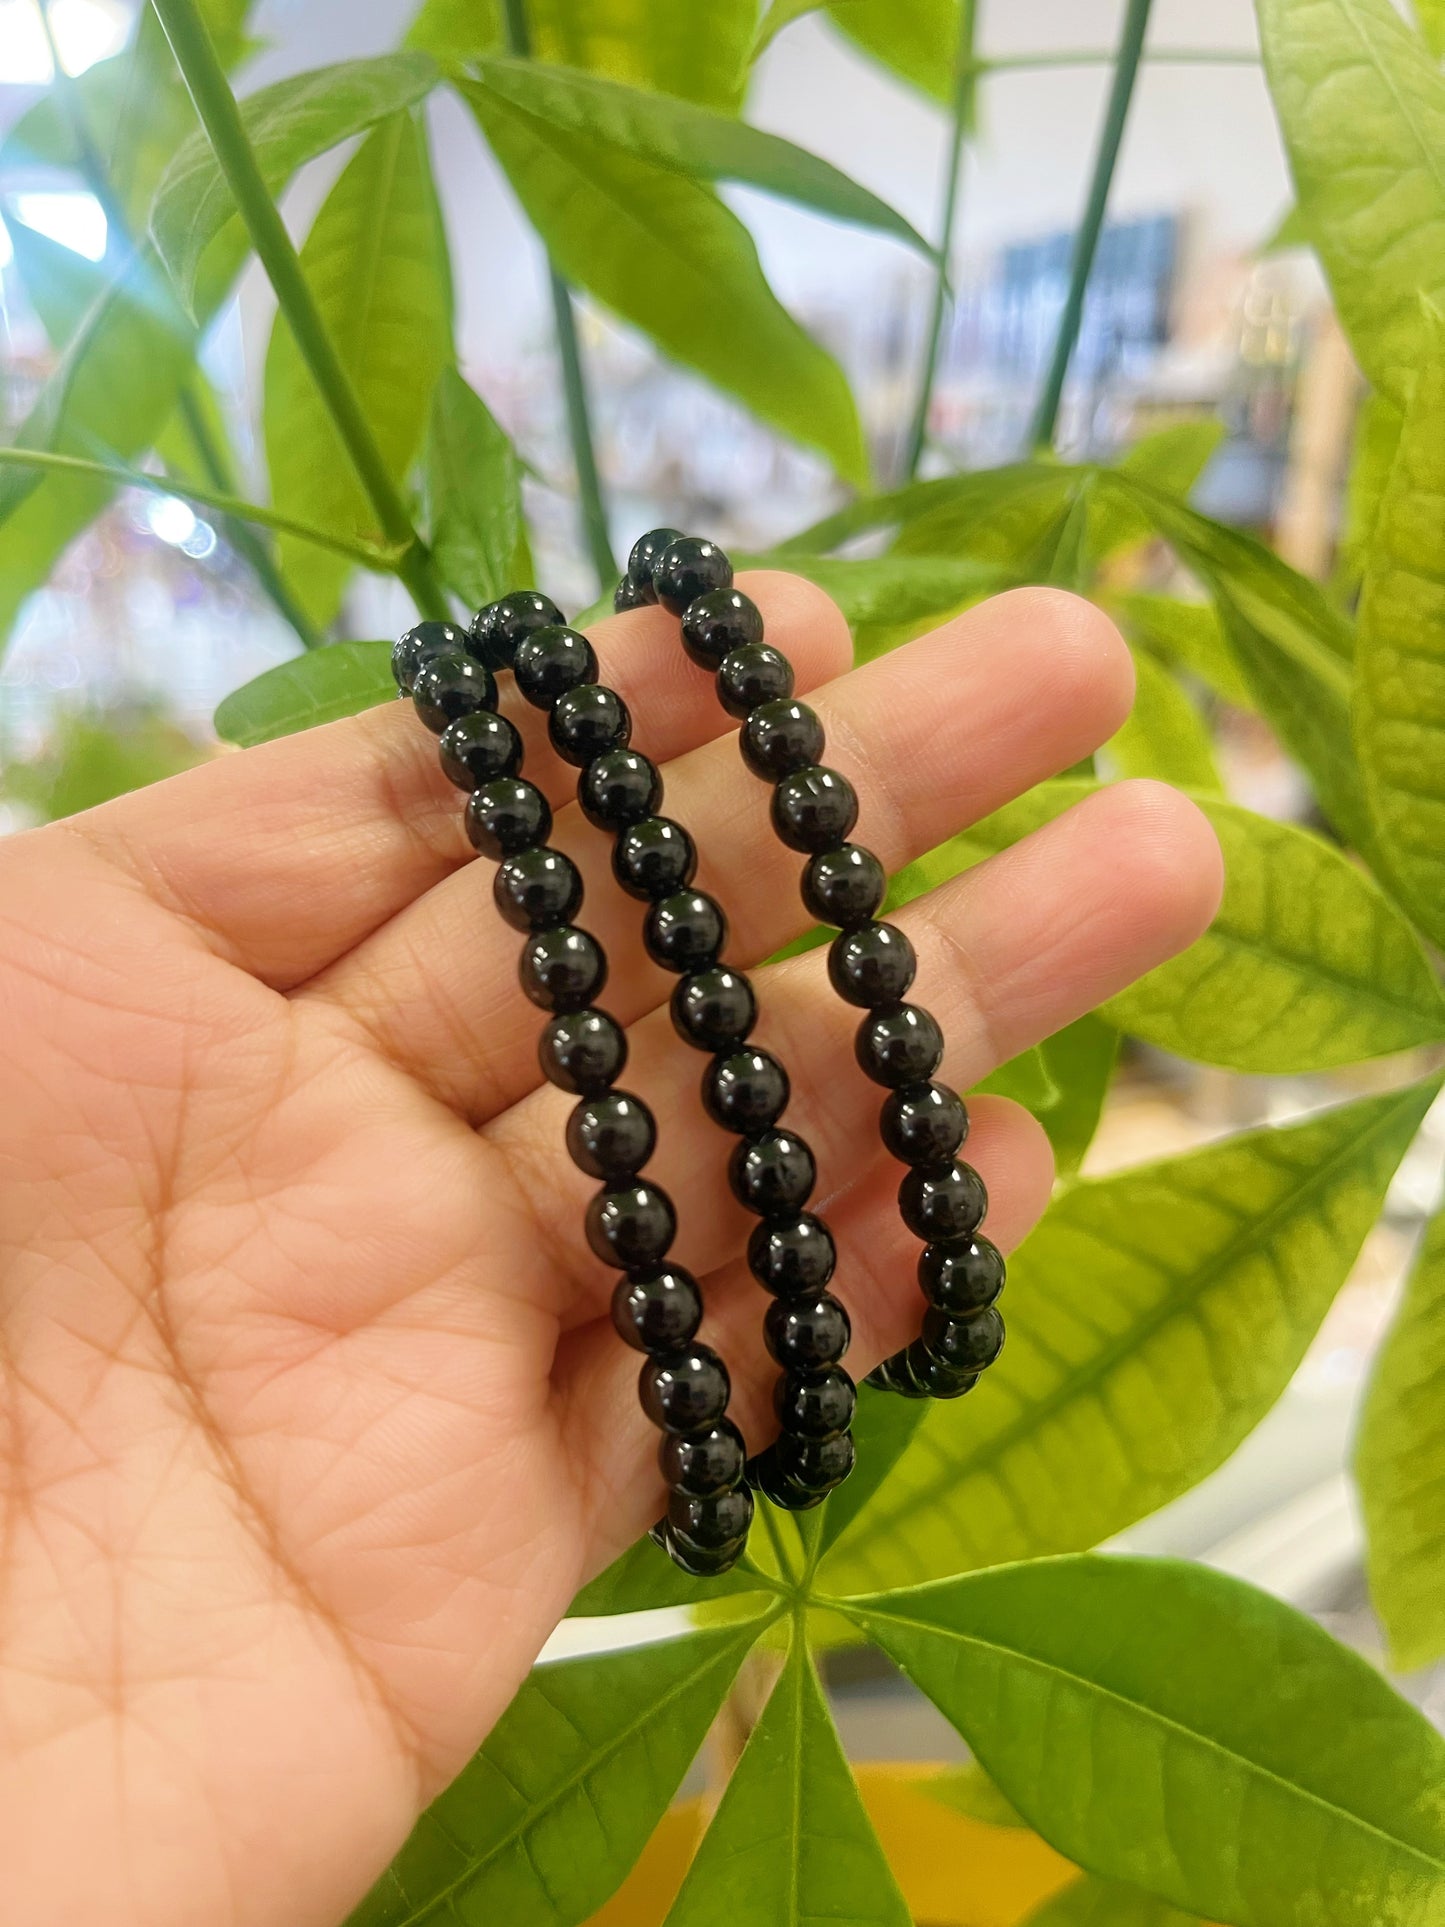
893, 1376
611, 1137
899, 1046
506, 815
618, 789
814, 809
765, 1475
815, 1405
871, 966
754, 674
692, 1560
451, 686
965, 1344
792, 1257
412, 652
643, 559
804, 1333
690, 566
714, 1009
583, 1051
843, 886
923, 1123
654, 858
745, 1091
710, 1520
686, 1391
717, 623
476, 748
781, 737
772, 1174
705, 1462
552, 660
685, 931
658, 1310
943, 1203
536, 889
630, 1226
815, 1465
499, 629
562, 969
627, 595
961, 1279
930, 1377
588, 722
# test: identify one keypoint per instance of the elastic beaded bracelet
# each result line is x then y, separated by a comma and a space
899, 1045
656, 1307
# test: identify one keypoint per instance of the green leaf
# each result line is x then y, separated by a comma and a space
1377, 438
790, 1845
893, 596
1080, 1062
666, 254
1361, 102
969, 1790
474, 497
1171, 459
374, 268
1026, 520
320, 686
962, 497
1025, 1079
689, 140
914, 38
643, 1578
1185, 635
1167, 1726
1400, 688
1165, 736
1105, 1903
1154, 1317
1400, 1466
549, 1816
781, 14
1288, 232
1430, 15
883, 1428
288, 124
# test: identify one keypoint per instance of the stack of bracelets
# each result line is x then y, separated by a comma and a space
450, 674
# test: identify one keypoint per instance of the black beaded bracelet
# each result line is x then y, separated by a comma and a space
450, 675
899, 1045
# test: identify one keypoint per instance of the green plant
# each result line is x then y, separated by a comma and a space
1165, 1727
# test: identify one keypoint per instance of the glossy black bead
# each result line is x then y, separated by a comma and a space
815, 1405
411, 652
552, 660
745, 1091
631, 1225
923, 1123
718, 623
772, 1173
506, 815
703, 1462
451, 686
893, 1376
961, 1278
474, 749
930, 1377
686, 1391
805, 1333
643, 557
583, 1051
563, 968
714, 1009
499, 630
685, 931
781, 737
792, 1257
692, 1560
611, 1137
942, 1202
690, 566
899, 1046
654, 858
588, 722
754, 674
657, 1310
845, 886
871, 966
710, 1520
964, 1344
619, 789
765, 1475
814, 809
815, 1465
628, 595
536, 889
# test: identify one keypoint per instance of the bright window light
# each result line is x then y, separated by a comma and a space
85, 31
173, 520
75, 221
7, 252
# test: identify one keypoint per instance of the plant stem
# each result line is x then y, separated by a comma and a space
965, 71
569, 350
221, 117
1126, 71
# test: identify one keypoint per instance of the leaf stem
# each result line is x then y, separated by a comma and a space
1126, 72
221, 117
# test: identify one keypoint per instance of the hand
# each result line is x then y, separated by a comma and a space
313, 1420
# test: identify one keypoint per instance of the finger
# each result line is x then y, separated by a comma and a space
287, 855
934, 736
596, 1376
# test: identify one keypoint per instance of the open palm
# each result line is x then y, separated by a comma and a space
312, 1418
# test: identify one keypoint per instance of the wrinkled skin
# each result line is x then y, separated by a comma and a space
312, 1421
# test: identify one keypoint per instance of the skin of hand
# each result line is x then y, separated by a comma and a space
312, 1419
